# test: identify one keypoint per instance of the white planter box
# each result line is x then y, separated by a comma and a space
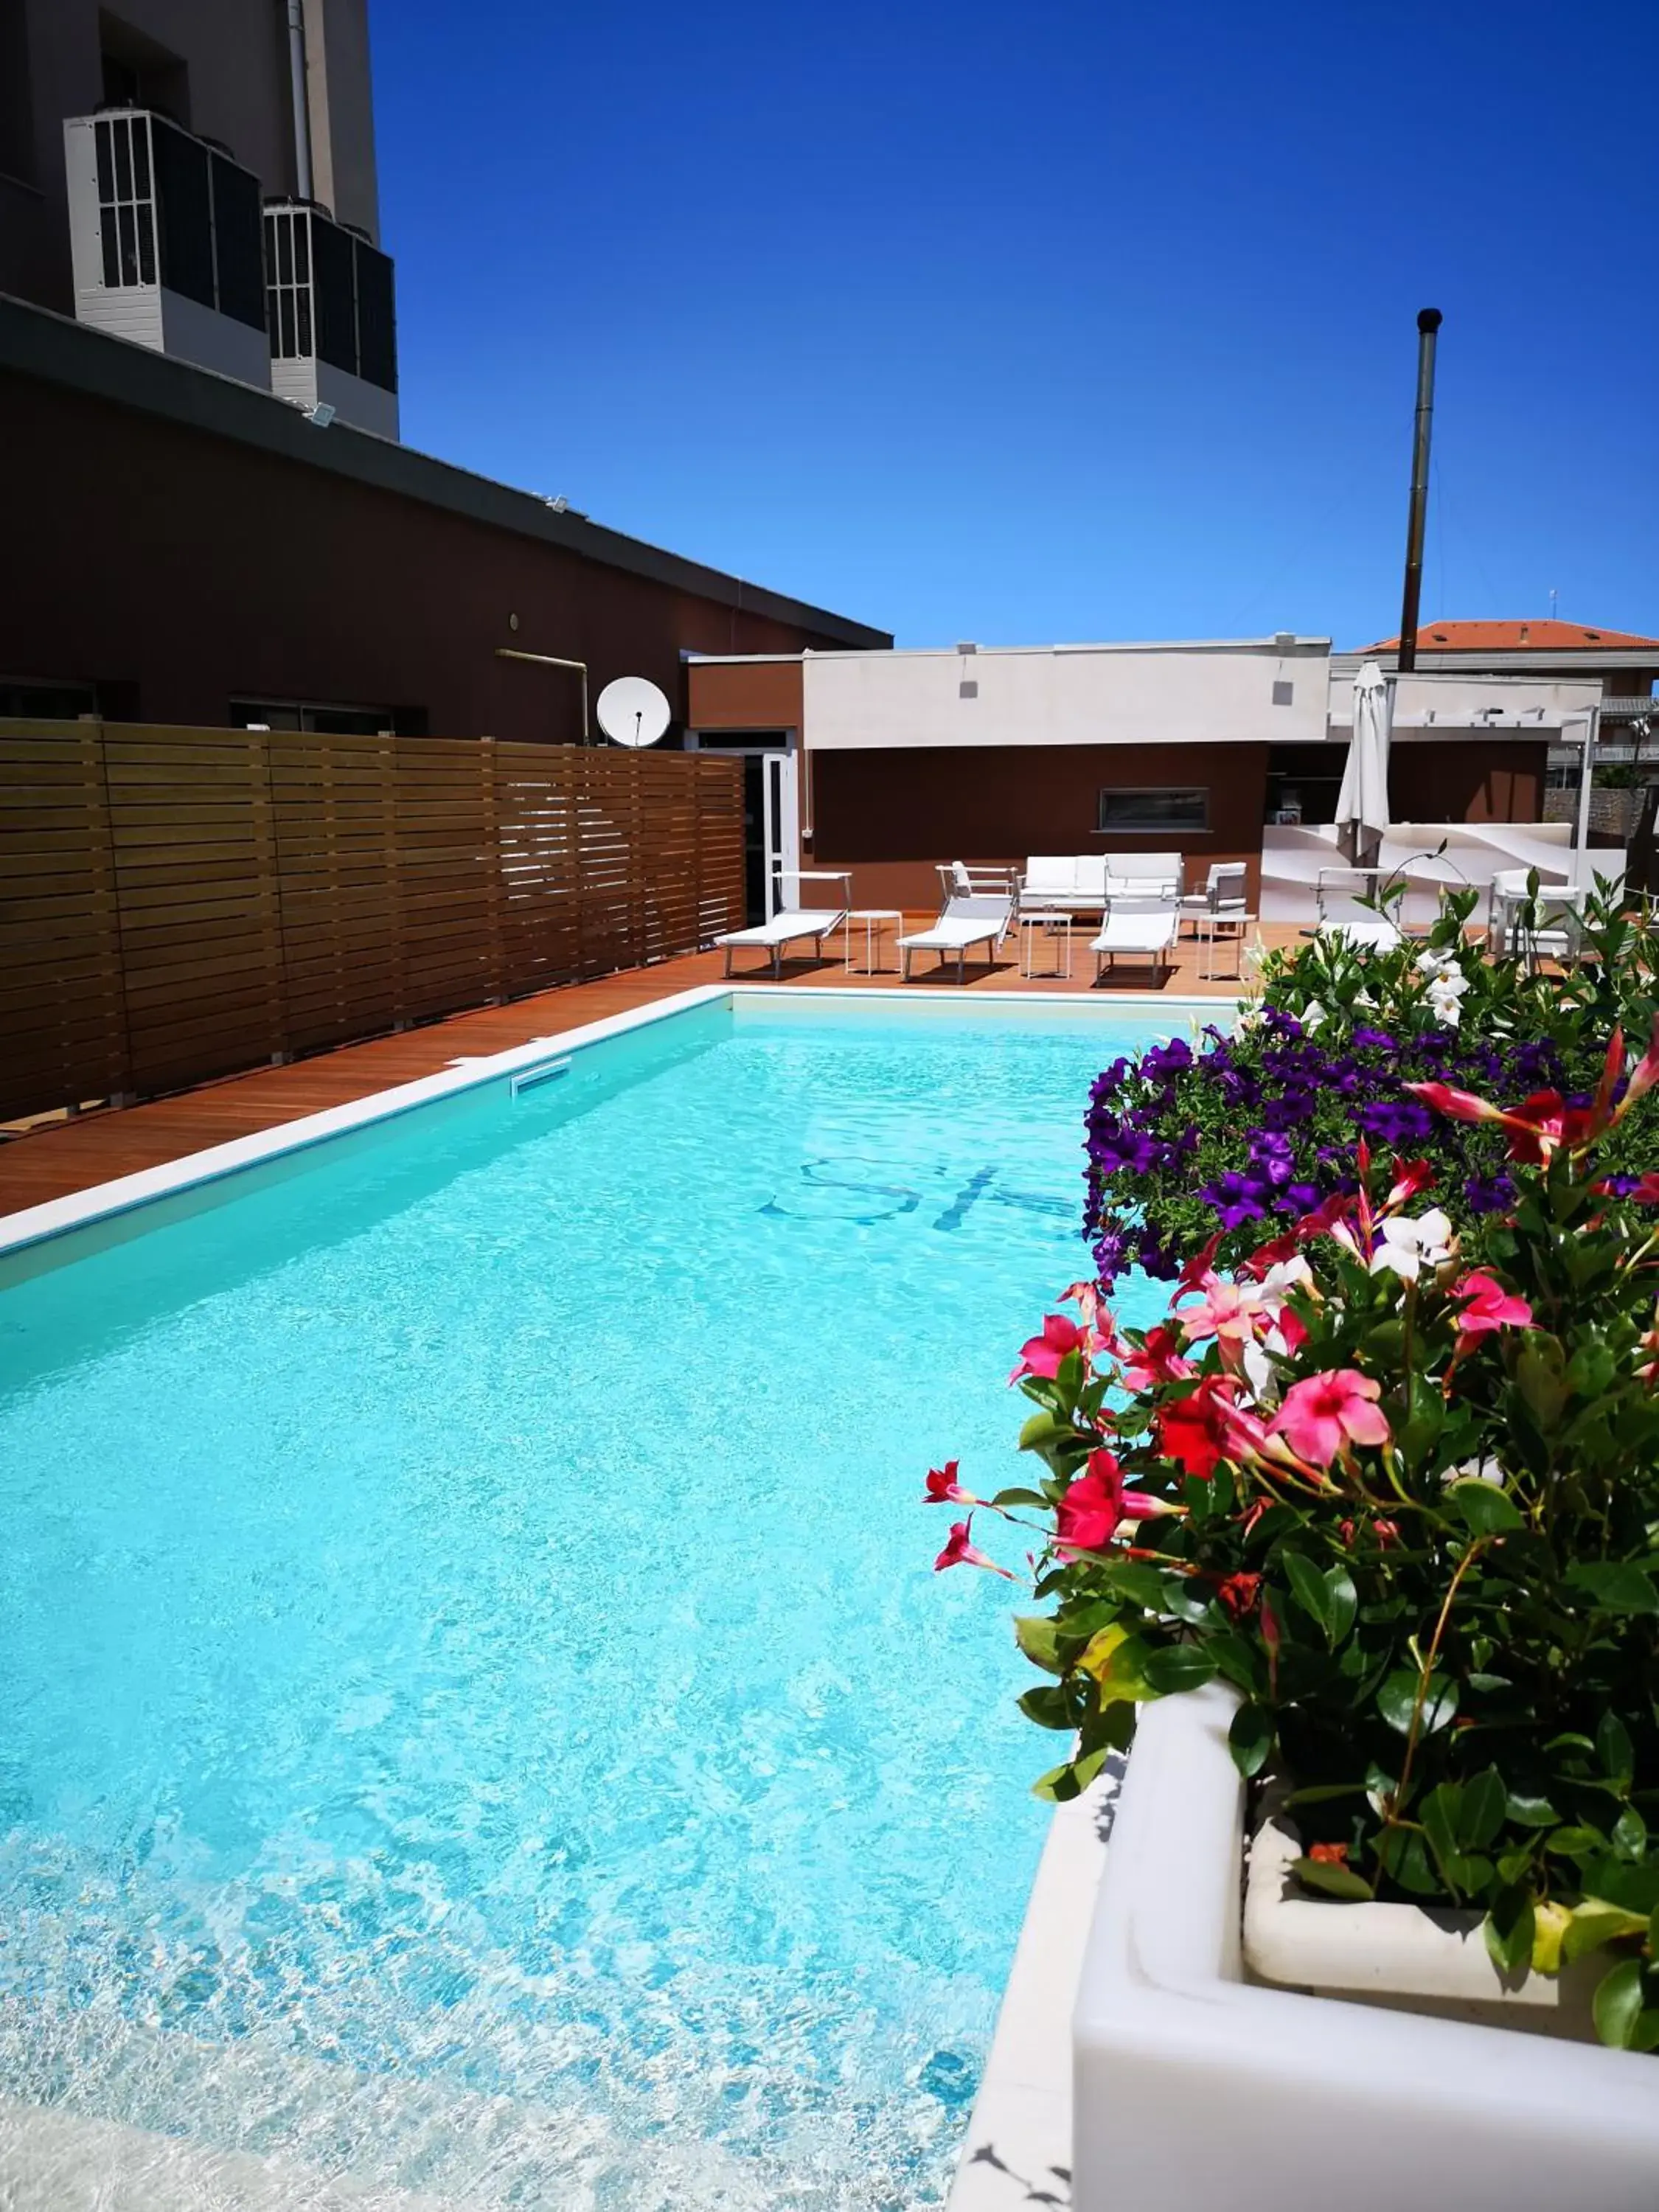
1195, 2089
1414, 1958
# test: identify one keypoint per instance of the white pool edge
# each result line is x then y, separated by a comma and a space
35, 1224
1018, 2150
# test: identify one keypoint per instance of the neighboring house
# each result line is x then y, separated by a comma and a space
887, 763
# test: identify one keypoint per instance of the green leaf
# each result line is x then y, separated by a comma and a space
1630, 1834
1178, 1667
1484, 1509
1335, 1880
1320, 1793
1595, 1922
1618, 2005
1615, 1585
1539, 1377
1035, 1634
1396, 1700
1403, 1855
1509, 1930
1061, 1783
1481, 1814
1344, 1604
1307, 1587
1529, 1810
1618, 1753
1022, 1497
1250, 1738
1049, 1707
1142, 1585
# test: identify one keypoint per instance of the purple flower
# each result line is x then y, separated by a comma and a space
1374, 1040
1489, 1193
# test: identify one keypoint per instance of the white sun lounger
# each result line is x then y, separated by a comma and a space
794, 925
978, 909
1379, 935
1137, 929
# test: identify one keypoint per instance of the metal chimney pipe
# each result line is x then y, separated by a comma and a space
296, 63
1428, 322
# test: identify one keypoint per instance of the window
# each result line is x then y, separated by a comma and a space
326, 720
377, 331
126, 204
1136, 812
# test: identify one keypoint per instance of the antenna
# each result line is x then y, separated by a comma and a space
1551, 602
632, 711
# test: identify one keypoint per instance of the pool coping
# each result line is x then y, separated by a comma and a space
54, 1217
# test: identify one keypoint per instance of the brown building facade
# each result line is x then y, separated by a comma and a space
186, 549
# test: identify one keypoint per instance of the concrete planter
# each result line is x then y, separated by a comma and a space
1196, 2086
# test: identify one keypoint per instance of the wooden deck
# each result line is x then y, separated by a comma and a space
58, 1157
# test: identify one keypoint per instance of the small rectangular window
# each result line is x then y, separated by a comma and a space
1136, 811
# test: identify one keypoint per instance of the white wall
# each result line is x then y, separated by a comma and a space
1458, 703
1067, 696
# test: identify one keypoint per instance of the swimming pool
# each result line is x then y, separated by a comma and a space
479, 1716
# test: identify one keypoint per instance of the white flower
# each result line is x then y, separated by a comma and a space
1444, 965
1365, 998
1445, 1004
1312, 1014
1408, 1246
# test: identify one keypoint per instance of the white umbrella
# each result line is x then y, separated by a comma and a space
1361, 809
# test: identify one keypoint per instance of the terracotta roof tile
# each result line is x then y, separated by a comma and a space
1545, 636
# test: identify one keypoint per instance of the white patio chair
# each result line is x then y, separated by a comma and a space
1225, 895
794, 925
1137, 929
978, 909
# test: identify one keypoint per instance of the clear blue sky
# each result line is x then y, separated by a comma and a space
1040, 322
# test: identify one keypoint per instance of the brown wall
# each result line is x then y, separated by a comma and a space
201, 570
1481, 780
890, 816
756, 695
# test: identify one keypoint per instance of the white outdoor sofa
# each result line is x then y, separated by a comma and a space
1140, 929
1087, 883
978, 909
795, 924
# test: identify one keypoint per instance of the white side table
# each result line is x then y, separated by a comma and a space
872, 918
1058, 927
1209, 937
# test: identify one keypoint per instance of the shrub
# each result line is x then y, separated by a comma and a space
1258, 1126
1399, 1486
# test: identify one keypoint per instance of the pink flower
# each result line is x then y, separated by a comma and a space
960, 1552
1323, 1415
1227, 1311
1490, 1308
1097, 1505
1157, 1359
943, 1487
1041, 1356
1409, 1176
1196, 1431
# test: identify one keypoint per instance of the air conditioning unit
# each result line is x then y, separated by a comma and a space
332, 318
166, 238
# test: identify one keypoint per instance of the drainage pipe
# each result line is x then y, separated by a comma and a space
552, 660
296, 63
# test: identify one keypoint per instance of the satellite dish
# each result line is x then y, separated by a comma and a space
632, 711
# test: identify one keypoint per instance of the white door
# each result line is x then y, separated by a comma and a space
782, 825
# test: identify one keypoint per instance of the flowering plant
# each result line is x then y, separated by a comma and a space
1254, 1128
1397, 1482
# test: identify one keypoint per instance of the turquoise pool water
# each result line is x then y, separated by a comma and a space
479, 1716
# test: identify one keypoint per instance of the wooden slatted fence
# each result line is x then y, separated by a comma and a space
176, 904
